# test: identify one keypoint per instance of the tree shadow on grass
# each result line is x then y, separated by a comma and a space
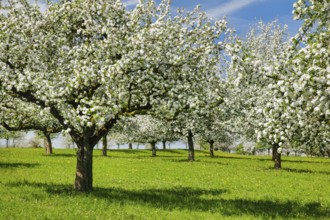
304, 161
194, 199
62, 155
243, 158
304, 171
17, 165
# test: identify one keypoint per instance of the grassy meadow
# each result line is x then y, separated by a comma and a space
133, 185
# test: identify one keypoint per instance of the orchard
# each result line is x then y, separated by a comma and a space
83, 67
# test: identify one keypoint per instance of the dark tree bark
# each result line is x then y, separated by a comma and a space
191, 151
211, 148
104, 145
276, 156
48, 143
164, 145
84, 169
153, 149
130, 146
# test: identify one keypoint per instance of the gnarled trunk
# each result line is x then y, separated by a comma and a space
153, 149
211, 148
104, 145
191, 152
48, 143
164, 145
276, 156
130, 146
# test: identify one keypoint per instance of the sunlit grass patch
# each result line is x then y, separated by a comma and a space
133, 185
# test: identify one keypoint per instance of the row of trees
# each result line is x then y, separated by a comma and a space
91, 67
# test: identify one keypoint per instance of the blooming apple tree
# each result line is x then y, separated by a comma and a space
88, 63
256, 64
145, 129
16, 115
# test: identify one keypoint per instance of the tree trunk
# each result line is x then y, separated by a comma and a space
130, 146
164, 145
7, 143
153, 149
276, 156
328, 153
84, 169
191, 152
48, 143
211, 148
104, 145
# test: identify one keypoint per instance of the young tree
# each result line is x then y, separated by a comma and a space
88, 63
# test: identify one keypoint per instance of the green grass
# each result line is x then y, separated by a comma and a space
133, 185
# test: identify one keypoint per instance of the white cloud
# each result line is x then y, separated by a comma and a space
229, 7
131, 2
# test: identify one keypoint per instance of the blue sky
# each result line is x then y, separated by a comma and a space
242, 14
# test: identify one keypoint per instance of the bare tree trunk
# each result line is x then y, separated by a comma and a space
130, 146
84, 169
153, 149
104, 145
276, 156
211, 148
191, 152
48, 143
164, 145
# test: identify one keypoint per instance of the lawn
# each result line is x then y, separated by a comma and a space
133, 185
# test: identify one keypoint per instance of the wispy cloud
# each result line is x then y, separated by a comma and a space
229, 7
131, 2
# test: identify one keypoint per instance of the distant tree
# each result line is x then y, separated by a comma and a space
10, 135
17, 115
